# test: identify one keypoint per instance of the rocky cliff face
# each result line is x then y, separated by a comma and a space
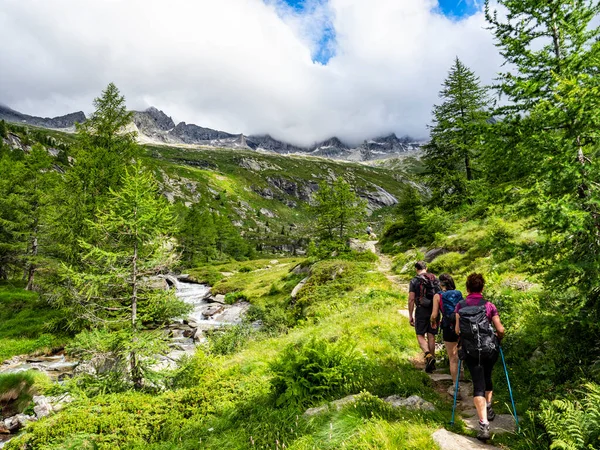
59, 122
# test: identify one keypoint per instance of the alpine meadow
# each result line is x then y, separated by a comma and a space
168, 286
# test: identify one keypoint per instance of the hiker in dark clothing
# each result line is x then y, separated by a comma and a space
479, 348
421, 291
446, 302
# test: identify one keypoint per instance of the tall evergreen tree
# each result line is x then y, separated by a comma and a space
553, 88
26, 190
456, 136
111, 290
338, 211
198, 236
102, 152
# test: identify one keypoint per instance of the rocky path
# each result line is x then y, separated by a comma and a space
445, 439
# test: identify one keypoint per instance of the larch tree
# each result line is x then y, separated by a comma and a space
110, 290
103, 150
338, 210
459, 123
552, 85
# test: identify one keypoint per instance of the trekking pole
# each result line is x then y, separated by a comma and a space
512, 400
455, 393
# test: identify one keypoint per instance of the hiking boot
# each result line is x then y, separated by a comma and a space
484, 431
491, 414
429, 363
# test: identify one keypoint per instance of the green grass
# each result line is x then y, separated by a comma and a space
227, 400
26, 323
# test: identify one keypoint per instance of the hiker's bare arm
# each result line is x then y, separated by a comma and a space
498, 326
436, 309
411, 307
456, 327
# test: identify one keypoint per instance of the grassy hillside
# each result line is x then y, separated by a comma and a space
240, 183
254, 394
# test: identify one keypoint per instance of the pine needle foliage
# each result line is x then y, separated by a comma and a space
110, 289
459, 124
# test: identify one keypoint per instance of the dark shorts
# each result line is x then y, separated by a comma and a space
449, 334
422, 322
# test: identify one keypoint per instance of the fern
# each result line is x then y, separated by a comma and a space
571, 424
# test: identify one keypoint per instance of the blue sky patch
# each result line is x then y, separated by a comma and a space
325, 42
459, 8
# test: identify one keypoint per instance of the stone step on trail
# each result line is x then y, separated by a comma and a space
503, 423
452, 441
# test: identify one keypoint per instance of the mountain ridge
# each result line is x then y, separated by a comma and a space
155, 127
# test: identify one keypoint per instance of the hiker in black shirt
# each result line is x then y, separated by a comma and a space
421, 291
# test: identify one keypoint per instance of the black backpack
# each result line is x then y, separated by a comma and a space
429, 285
476, 333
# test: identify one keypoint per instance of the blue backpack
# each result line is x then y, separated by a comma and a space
449, 301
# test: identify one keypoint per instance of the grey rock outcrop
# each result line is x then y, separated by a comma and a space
434, 253
414, 402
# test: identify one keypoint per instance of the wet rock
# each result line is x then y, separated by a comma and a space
434, 253
414, 402
212, 310
4, 429
62, 367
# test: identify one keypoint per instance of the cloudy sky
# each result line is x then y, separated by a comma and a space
301, 70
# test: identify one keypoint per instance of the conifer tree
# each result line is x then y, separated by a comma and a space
338, 210
456, 136
102, 153
26, 190
553, 88
110, 290
198, 236
3, 129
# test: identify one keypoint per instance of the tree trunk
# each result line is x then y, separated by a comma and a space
556, 41
32, 267
136, 376
468, 167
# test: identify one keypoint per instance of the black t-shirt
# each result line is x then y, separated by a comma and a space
414, 286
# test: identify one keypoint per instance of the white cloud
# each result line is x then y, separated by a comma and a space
241, 65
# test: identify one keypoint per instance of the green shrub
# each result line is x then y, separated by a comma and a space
233, 297
274, 289
451, 263
245, 269
404, 263
228, 285
226, 341
206, 275
308, 372
275, 318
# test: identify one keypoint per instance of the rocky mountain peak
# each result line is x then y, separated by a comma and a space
163, 122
